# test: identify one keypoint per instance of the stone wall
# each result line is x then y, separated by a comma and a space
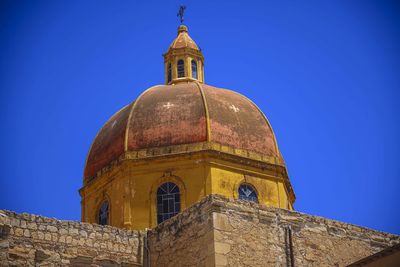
222, 232
184, 240
30, 240
214, 232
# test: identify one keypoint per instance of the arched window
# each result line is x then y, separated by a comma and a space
169, 72
194, 69
181, 68
168, 201
104, 213
247, 192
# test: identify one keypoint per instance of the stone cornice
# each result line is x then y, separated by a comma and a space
182, 51
220, 151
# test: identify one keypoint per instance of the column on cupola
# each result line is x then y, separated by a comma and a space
188, 67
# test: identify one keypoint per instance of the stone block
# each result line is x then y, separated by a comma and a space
52, 228
47, 236
32, 226
19, 232
83, 233
222, 248
23, 224
221, 260
68, 239
63, 231
4, 243
15, 222
41, 256
221, 222
40, 235
81, 261
73, 231
27, 233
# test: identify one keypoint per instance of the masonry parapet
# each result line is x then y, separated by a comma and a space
28, 240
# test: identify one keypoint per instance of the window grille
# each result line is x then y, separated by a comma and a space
104, 213
247, 192
168, 201
194, 69
169, 72
181, 68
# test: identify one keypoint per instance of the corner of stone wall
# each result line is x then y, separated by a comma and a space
184, 240
219, 231
249, 234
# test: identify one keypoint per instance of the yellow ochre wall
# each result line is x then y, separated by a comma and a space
130, 187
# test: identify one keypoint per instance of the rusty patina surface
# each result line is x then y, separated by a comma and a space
109, 142
235, 121
168, 115
171, 115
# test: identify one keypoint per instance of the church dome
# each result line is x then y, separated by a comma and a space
184, 113
177, 143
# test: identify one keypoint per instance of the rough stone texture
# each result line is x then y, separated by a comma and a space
31, 240
222, 232
185, 240
214, 232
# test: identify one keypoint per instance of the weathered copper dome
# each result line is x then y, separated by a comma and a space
185, 113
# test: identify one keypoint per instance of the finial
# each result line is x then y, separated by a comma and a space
180, 12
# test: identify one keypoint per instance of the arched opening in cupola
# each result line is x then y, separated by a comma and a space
181, 68
194, 69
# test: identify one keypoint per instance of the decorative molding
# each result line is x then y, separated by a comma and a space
223, 152
207, 114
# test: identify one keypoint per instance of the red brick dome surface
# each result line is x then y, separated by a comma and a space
184, 113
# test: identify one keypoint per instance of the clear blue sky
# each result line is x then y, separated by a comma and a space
326, 74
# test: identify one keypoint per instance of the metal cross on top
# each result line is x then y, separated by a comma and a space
180, 13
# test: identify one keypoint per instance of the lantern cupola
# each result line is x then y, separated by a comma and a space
183, 61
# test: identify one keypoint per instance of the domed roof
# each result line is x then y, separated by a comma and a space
183, 40
183, 113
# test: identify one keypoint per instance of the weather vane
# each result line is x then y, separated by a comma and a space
180, 13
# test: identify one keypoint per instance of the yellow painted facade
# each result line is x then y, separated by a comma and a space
130, 183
